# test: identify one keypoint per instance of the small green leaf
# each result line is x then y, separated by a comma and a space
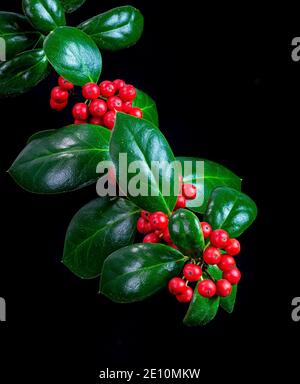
98, 229
138, 271
185, 231
207, 175
147, 105
74, 55
72, 5
62, 161
115, 29
230, 210
227, 303
144, 146
44, 15
22, 73
17, 33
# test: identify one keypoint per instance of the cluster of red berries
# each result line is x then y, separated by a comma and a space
101, 101
192, 272
188, 192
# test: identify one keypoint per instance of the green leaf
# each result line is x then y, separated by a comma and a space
62, 161
143, 143
138, 271
230, 210
147, 105
115, 29
72, 5
74, 55
185, 231
207, 177
227, 303
17, 33
40, 134
44, 15
98, 229
201, 310
22, 73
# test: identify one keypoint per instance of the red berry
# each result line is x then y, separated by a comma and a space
172, 245
107, 88
151, 238
114, 103
127, 93
233, 247
80, 111
233, 276
90, 91
192, 272
219, 238
65, 84
96, 121
127, 105
137, 112
145, 214
186, 296
166, 235
57, 106
207, 288
181, 202
143, 226
76, 121
212, 256
224, 288
59, 95
119, 83
159, 220
176, 286
206, 229
227, 263
98, 108
109, 119
180, 180
189, 191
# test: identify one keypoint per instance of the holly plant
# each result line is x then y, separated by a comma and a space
183, 235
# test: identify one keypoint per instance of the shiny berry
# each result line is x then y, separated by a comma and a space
176, 286
114, 103
143, 226
159, 220
80, 111
189, 191
207, 288
233, 275
181, 202
219, 238
90, 91
137, 112
186, 296
127, 93
192, 272
98, 108
224, 288
107, 88
227, 263
127, 105
212, 255
96, 121
59, 95
119, 83
76, 121
57, 106
233, 247
206, 229
166, 235
109, 119
151, 238
145, 214
65, 84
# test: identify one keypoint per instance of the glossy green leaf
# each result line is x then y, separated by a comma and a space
74, 55
201, 310
17, 33
230, 210
227, 303
115, 29
72, 5
141, 142
98, 229
22, 73
207, 175
185, 231
44, 15
147, 105
40, 134
63, 161
138, 271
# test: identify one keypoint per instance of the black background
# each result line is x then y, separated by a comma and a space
226, 89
